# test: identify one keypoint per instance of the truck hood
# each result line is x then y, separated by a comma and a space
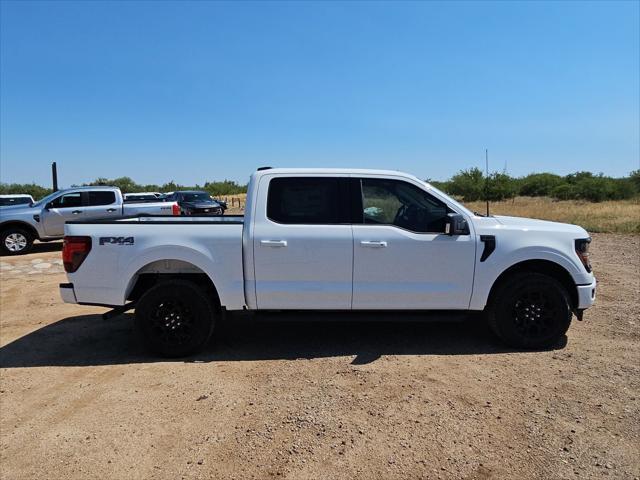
523, 223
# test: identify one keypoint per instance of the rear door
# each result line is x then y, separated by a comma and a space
102, 204
302, 243
403, 260
64, 208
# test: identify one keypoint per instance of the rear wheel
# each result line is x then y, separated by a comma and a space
15, 241
175, 318
530, 310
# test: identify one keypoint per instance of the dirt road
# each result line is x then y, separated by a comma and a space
275, 397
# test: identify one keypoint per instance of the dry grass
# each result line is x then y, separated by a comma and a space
236, 203
622, 216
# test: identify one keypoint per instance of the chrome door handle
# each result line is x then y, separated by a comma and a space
273, 243
111, 210
76, 212
373, 244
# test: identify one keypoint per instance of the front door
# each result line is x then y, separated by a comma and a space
403, 260
303, 244
64, 208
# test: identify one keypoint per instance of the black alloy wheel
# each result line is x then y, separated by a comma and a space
530, 310
175, 318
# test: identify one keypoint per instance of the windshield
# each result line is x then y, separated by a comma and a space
197, 197
449, 198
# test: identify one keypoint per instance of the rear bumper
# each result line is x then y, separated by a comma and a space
586, 295
67, 293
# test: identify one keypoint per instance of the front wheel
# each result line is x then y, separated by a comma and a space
15, 241
175, 318
530, 310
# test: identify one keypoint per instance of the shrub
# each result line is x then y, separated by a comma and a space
634, 180
501, 187
36, 191
593, 189
468, 184
564, 191
127, 185
539, 184
599, 188
227, 187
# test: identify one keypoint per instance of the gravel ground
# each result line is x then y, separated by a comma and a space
278, 397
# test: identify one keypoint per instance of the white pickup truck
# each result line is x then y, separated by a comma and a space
44, 220
332, 239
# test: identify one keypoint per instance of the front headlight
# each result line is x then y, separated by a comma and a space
582, 250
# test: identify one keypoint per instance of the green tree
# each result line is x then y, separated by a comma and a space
468, 184
226, 187
36, 191
539, 184
564, 191
500, 187
634, 179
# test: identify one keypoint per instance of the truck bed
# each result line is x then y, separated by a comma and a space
126, 248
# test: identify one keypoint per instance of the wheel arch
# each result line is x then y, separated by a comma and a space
20, 224
162, 270
546, 267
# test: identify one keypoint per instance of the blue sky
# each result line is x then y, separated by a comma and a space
195, 91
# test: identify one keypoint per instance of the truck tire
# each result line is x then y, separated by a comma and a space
530, 310
175, 318
15, 241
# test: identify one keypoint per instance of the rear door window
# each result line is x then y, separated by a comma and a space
101, 198
305, 200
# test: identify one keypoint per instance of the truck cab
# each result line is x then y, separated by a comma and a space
357, 240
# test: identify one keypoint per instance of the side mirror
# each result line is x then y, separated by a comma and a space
456, 225
48, 206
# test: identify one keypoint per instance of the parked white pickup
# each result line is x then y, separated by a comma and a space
332, 239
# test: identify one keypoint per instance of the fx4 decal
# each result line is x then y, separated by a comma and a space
116, 240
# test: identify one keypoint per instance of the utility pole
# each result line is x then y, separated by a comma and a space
54, 176
486, 180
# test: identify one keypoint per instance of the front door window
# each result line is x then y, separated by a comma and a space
394, 202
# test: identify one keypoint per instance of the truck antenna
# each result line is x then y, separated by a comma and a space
486, 180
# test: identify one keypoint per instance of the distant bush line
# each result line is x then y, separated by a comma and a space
472, 185
469, 185
127, 185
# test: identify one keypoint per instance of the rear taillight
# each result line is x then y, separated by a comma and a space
175, 209
582, 250
74, 251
